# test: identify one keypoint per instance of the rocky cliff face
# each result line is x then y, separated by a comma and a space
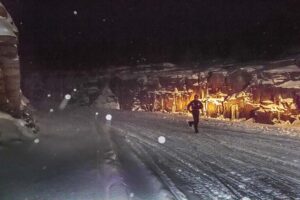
268, 93
10, 95
265, 93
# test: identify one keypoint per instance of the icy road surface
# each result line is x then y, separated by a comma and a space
221, 162
81, 155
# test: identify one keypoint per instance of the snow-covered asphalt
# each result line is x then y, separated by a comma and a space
147, 156
221, 162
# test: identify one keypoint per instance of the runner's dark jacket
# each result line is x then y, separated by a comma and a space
195, 105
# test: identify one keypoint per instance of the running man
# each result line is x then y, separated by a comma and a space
194, 107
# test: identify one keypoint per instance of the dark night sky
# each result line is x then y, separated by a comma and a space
121, 32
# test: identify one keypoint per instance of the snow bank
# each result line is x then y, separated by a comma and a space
13, 129
107, 99
285, 69
290, 84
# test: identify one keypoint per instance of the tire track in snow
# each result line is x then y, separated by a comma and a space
209, 179
226, 178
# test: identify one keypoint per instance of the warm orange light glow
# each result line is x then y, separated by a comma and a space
235, 106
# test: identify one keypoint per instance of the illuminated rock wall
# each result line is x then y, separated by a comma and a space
267, 93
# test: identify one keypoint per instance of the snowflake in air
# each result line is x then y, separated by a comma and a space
161, 139
67, 96
108, 117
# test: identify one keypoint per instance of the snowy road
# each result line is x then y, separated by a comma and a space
81, 156
221, 162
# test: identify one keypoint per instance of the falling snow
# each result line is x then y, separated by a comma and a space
108, 117
67, 96
161, 139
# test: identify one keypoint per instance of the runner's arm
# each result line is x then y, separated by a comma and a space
189, 106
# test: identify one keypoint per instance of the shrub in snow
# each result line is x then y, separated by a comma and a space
107, 99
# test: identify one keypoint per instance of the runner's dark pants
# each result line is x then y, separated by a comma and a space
196, 114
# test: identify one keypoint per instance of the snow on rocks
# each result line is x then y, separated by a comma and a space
13, 129
258, 82
285, 69
168, 88
290, 85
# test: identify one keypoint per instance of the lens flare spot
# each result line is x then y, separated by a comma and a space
67, 96
161, 139
108, 117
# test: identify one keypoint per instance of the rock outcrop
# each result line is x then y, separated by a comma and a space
268, 93
10, 95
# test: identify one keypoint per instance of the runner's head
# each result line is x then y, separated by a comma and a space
196, 97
